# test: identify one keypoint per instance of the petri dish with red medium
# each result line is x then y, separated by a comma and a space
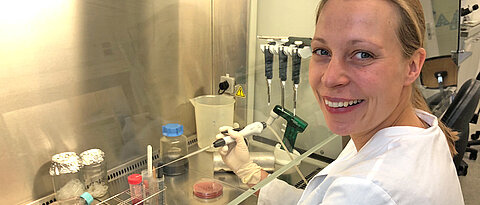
207, 189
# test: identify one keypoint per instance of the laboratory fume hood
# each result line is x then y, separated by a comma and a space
78, 75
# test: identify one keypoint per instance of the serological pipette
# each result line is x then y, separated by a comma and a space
253, 128
186, 156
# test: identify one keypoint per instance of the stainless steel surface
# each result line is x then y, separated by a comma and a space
179, 189
229, 37
266, 160
105, 74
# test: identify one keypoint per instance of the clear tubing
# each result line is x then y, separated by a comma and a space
290, 156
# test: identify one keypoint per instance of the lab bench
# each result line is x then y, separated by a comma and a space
179, 189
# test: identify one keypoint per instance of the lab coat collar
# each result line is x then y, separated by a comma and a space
378, 143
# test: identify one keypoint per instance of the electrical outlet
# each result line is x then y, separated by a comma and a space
231, 83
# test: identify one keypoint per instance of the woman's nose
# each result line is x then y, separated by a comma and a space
335, 75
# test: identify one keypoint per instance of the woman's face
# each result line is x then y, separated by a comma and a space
357, 71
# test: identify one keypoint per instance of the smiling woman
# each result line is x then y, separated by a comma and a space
376, 51
367, 55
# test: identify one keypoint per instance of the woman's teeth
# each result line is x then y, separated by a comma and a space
342, 104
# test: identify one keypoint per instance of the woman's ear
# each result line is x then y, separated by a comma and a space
415, 66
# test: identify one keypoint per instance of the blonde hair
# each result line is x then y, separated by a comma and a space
411, 32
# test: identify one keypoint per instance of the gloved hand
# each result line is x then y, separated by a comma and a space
237, 157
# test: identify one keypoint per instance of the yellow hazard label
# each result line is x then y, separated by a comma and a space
240, 92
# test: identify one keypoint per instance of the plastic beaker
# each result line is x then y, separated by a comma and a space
212, 112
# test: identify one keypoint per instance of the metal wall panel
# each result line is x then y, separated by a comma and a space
230, 20
103, 74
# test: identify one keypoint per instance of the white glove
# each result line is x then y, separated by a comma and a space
237, 157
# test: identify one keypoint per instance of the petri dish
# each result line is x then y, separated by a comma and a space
206, 189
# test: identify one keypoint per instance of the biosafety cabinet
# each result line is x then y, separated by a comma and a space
78, 75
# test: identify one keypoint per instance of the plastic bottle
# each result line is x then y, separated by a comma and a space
136, 190
173, 145
84, 199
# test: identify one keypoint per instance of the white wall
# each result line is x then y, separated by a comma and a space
290, 18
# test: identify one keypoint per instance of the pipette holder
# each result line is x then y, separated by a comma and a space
295, 125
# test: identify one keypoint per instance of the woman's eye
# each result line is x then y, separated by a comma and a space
322, 52
363, 55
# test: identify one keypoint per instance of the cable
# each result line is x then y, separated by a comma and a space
288, 153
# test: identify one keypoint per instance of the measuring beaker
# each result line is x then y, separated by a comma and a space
212, 112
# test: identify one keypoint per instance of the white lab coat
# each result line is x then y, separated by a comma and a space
399, 165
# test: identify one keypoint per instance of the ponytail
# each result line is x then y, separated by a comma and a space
419, 102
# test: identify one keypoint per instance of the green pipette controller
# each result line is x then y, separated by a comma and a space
295, 125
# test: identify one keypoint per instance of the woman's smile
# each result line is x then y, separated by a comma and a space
341, 105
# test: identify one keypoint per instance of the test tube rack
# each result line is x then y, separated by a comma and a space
124, 198
118, 183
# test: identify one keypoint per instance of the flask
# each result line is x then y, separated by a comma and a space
173, 145
94, 172
84, 199
65, 171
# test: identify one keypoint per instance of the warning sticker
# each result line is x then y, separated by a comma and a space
240, 92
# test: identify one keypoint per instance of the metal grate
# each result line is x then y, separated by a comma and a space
130, 167
44, 200
192, 140
49, 200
